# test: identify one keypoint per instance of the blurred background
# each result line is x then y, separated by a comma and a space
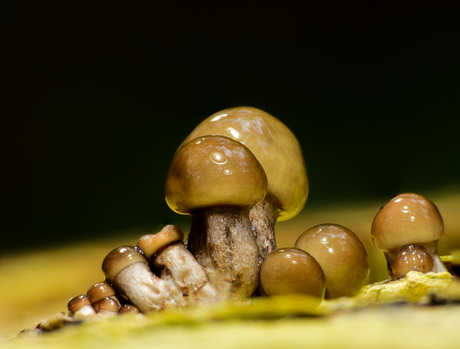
99, 96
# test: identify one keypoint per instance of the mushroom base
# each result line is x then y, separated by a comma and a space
222, 241
263, 217
430, 248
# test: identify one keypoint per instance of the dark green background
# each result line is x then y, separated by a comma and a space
99, 96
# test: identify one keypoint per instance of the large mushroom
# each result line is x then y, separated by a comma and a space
217, 180
407, 230
279, 153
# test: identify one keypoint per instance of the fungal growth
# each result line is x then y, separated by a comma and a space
279, 153
176, 264
341, 255
217, 181
292, 271
128, 270
407, 230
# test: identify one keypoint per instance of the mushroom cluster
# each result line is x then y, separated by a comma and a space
239, 172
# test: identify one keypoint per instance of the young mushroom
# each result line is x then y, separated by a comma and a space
129, 309
176, 264
292, 271
80, 307
411, 225
279, 153
217, 180
341, 255
99, 291
107, 306
128, 270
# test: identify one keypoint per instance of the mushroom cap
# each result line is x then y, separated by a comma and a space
292, 271
107, 305
406, 220
411, 258
129, 308
341, 255
151, 243
273, 144
78, 302
100, 291
214, 171
119, 259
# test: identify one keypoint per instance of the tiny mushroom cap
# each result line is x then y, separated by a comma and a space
341, 255
107, 306
129, 309
119, 259
412, 258
292, 271
214, 171
100, 291
273, 144
152, 243
407, 219
78, 302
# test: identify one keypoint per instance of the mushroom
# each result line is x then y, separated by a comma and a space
341, 255
176, 264
129, 309
409, 222
128, 270
292, 271
411, 258
99, 291
107, 306
217, 180
80, 307
279, 153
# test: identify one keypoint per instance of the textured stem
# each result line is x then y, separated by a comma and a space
222, 241
178, 265
263, 217
145, 290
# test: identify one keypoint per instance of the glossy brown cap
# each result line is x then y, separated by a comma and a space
406, 220
411, 258
107, 305
129, 309
99, 291
214, 171
292, 271
119, 259
341, 255
151, 243
78, 302
273, 144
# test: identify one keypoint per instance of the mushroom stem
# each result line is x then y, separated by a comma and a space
129, 272
178, 265
263, 217
222, 241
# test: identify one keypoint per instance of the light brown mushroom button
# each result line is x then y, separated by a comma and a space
341, 255
176, 264
100, 291
107, 307
292, 271
80, 307
217, 180
129, 309
279, 153
128, 270
408, 220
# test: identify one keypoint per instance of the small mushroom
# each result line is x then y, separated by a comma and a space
411, 258
176, 264
217, 180
292, 271
107, 306
279, 153
80, 307
99, 291
128, 270
408, 221
341, 255
129, 309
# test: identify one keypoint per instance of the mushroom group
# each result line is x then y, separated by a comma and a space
239, 172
